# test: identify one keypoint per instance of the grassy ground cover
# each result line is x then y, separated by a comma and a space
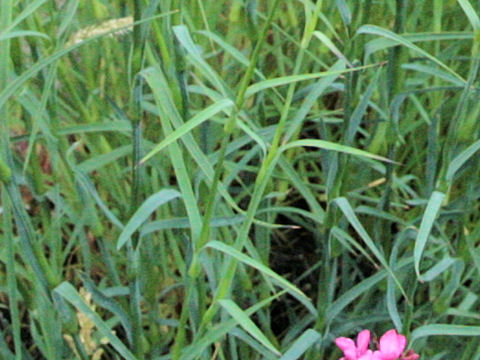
238, 179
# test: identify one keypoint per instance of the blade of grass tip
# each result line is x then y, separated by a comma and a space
195, 121
247, 324
345, 12
359, 111
183, 36
143, 213
293, 79
431, 212
390, 295
327, 145
461, 159
330, 45
231, 50
11, 279
379, 44
375, 30
22, 33
444, 330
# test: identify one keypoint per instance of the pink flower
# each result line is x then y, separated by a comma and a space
391, 346
358, 351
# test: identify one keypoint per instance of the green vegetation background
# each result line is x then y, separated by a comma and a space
238, 179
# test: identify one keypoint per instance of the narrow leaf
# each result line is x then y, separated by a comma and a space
198, 119
433, 207
247, 324
302, 344
145, 210
255, 264
67, 291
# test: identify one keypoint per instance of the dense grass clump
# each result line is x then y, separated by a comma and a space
238, 179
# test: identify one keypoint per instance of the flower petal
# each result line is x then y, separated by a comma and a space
363, 340
402, 343
344, 343
368, 355
377, 355
392, 344
348, 347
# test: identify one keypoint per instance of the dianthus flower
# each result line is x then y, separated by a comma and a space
391, 347
358, 351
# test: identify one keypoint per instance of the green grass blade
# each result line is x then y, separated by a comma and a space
214, 334
431, 212
68, 292
444, 330
198, 119
144, 212
460, 160
331, 46
22, 33
471, 14
349, 213
111, 305
255, 264
302, 344
327, 145
359, 289
247, 324
375, 30
287, 80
